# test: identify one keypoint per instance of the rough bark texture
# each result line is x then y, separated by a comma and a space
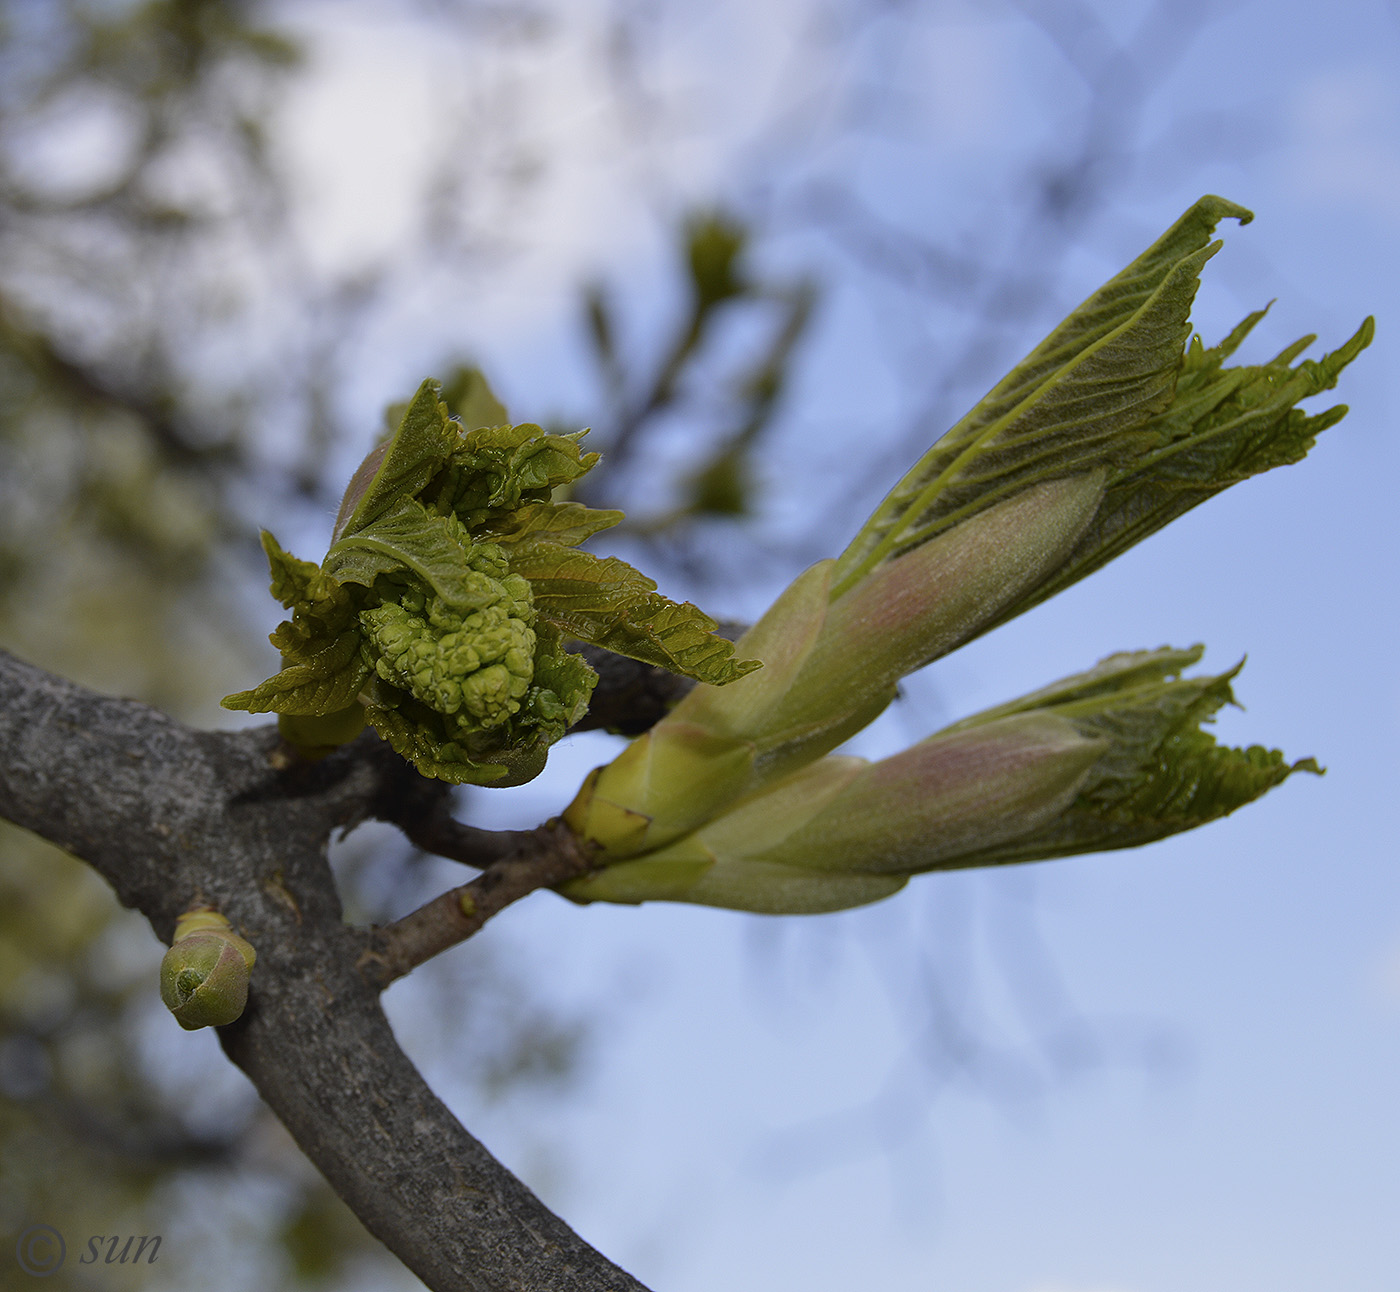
170, 817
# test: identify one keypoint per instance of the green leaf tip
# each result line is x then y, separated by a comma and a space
1161, 772
607, 602
1120, 387
440, 612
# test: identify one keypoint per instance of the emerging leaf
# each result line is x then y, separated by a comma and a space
403, 467
408, 536
424, 619
473, 403
1161, 773
315, 682
608, 603
293, 580
1223, 426
565, 524
1113, 388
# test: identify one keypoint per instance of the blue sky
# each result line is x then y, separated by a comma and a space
1187, 1056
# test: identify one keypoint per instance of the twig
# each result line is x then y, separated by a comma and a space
548, 856
422, 809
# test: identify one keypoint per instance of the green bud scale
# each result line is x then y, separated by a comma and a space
204, 976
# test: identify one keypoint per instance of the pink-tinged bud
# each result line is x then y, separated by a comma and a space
688, 872
829, 668
945, 798
782, 639
925, 603
842, 832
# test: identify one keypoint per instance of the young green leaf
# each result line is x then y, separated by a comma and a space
608, 603
420, 740
562, 523
1225, 425
1160, 773
403, 467
407, 536
313, 682
1114, 390
1080, 400
493, 470
469, 397
423, 621
293, 580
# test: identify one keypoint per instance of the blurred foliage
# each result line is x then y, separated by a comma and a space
724, 413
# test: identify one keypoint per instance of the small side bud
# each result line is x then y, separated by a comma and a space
204, 976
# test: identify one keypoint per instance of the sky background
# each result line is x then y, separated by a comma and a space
1170, 1068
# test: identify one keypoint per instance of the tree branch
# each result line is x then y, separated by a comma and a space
632, 697
170, 816
551, 855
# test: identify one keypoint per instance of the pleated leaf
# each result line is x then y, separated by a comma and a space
402, 469
1080, 400
608, 603
409, 537
1160, 773
312, 682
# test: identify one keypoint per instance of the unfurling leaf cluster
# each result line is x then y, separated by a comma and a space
441, 611
1117, 423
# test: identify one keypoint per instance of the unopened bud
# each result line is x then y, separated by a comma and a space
204, 975
925, 807
926, 602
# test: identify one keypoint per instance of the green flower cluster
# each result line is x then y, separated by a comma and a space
477, 666
440, 613
474, 665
